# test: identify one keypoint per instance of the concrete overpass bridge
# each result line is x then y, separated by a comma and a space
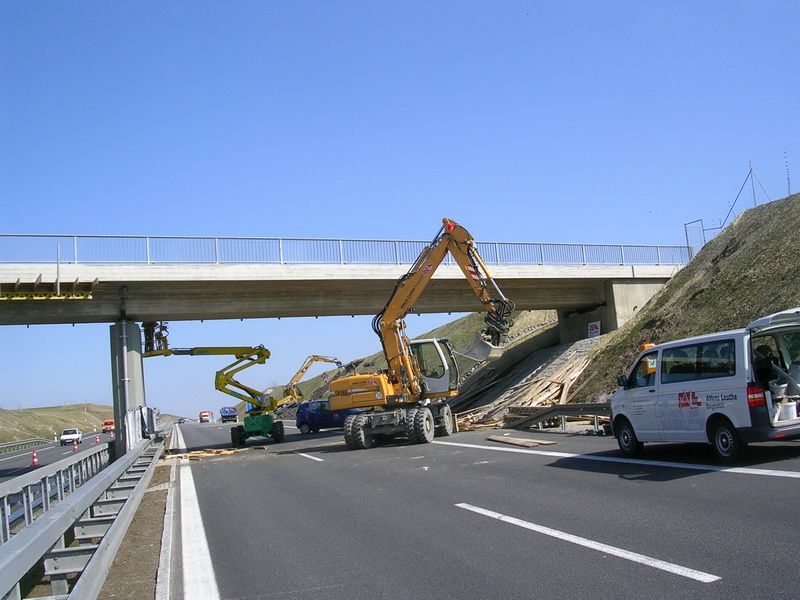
44, 278
125, 279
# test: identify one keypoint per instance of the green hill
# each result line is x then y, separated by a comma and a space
749, 270
47, 422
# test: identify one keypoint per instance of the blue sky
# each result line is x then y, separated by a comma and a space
525, 121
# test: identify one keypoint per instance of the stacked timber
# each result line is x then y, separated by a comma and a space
519, 401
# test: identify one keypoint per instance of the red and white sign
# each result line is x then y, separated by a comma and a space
594, 329
688, 400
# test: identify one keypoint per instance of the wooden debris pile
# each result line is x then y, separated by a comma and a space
206, 453
524, 398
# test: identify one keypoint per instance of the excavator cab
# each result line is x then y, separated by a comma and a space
437, 365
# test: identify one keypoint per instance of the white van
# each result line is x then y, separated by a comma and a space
727, 388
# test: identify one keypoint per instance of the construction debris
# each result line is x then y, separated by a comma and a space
522, 399
206, 453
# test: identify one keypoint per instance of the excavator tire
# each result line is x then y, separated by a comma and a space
361, 439
424, 425
446, 428
410, 431
277, 432
348, 432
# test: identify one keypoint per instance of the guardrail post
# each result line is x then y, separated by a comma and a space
216, 251
75, 249
658, 254
280, 251
621, 254
583, 252
147, 248
396, 254
497, 252
341, 253
541, 254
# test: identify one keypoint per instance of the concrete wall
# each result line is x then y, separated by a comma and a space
622, 299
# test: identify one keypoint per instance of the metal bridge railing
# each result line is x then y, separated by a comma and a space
44, 248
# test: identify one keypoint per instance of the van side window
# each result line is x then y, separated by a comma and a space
644, 374
718, 359
679, 364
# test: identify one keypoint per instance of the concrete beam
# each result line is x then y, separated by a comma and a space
193, 292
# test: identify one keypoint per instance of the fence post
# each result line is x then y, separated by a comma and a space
75, 249
147, 246
621, 254
583, 252
280, 251
216, 251
541, 254
396, 254
658, 254
497, 252
341, 253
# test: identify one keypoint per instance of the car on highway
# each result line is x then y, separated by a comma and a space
314, 415
727, 389
182, 420
70, 436
228, 414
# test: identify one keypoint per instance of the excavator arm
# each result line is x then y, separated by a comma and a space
290, 393
155, 335
389, 324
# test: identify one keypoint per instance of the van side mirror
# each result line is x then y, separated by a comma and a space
622, 379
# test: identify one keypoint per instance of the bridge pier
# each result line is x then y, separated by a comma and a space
623, 298
128, 385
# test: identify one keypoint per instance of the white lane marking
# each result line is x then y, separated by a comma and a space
289, 426
311, 457
164, 573
634, 461
28, 453
199, 580
599, 546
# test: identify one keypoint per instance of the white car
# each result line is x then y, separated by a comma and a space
69, 436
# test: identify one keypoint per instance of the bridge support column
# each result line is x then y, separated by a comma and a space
128, 384
623, 299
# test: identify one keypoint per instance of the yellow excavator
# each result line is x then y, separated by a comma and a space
409, 398
291, 394
260, 418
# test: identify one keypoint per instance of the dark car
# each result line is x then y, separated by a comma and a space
316, 414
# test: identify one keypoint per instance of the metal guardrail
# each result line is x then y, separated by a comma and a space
47, 248
545, 413
22, 444
98, 513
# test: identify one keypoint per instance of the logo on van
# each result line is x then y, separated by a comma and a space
688, 400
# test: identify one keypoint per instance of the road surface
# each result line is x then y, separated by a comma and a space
466, 518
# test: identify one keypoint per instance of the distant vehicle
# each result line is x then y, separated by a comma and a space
316, 414
206, 416
726, 389
108, 425
182, 420
69, 436
228, 413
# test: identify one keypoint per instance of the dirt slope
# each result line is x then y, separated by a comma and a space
749, 270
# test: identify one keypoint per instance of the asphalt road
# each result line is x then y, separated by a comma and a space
309, 519
18, 463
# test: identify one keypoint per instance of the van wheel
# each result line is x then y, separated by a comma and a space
305, 428
629, 445
724, 441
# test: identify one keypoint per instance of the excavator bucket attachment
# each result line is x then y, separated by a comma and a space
480, 349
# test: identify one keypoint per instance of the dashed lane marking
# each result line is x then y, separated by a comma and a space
311, 457
599, 546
